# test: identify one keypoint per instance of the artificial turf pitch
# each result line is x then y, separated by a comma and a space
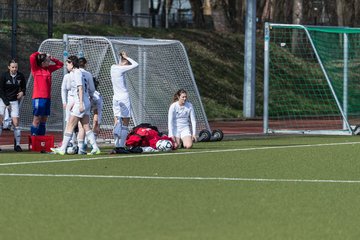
265, 188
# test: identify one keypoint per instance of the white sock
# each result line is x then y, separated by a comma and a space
124, 133
117, 133
116, 141
17, 134
81, 146
74, 141
66, 140
90, 136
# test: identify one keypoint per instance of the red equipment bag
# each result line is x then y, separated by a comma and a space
41, 143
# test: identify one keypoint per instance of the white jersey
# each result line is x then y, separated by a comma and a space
88, 82
180, 117
117, 73
66, 93
77, 79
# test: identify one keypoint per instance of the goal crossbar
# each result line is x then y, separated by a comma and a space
163, 69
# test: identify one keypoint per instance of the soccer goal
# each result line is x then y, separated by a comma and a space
164, 68
311, 79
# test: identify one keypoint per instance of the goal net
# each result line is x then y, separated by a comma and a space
311, 79
163, 69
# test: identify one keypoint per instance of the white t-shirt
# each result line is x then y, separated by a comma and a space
180, 117
117, 73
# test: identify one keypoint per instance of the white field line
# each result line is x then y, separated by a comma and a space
182, 178
115, 156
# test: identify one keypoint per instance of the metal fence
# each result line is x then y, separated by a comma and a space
27, 42
181, 18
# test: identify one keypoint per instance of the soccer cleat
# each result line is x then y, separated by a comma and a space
81, 152
95, 151
17, 148
113, 151
119, 150
57, 151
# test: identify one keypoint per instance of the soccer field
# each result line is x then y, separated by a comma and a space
285, 187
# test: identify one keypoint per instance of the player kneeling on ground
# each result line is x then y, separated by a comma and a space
181, 114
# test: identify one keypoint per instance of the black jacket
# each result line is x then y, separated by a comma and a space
10, 87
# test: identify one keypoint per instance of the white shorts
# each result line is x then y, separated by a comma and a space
76, 112
122, 108
97, 105
69, 105
14, 113
182, 132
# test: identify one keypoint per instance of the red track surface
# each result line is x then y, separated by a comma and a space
7, 137
239, 127
230, 129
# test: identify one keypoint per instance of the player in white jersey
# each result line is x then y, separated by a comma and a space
80, 110
121, 99
181, 114
95, 97
67, 95
90, 86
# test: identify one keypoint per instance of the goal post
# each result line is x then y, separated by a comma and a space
311, 79
163, 69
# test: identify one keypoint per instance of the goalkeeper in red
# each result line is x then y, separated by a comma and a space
41, 70
181, 114
121, 99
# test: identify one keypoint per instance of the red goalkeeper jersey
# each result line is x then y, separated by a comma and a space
145, 135
42, 76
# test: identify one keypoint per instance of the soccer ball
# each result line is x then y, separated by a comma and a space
70, 150
164, 145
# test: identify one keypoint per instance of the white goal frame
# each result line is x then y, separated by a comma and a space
164, 68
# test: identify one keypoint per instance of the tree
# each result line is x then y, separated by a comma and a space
267, 14
220, 15
297, 11
297, 19
198, 17
340, 12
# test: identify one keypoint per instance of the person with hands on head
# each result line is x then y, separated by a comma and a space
121, 98
12, 90
42, 65
181, 114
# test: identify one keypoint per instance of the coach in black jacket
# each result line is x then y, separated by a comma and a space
12, 89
